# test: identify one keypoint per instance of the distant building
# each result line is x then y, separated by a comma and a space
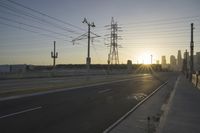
186, 60
197, 61
173, 62
129, 65
157, 62
179, 61
163, 62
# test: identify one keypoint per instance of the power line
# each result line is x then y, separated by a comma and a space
165, 21
32, 26
158, 22
157, 31
15, 10
32, 31
46, 15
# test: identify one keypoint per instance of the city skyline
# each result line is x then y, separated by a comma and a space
154, 28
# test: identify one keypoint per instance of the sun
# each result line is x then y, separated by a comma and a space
145, 58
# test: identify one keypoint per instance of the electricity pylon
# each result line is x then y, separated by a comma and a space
113, 56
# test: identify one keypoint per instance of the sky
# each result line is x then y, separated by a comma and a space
148, 27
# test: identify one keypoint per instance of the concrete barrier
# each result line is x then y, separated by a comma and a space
196, 79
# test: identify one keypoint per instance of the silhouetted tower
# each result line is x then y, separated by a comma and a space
173, 62
179, 61
191, 52
113, 56
54, 54
186, 55
163, 60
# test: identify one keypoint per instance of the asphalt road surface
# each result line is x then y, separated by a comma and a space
83, 110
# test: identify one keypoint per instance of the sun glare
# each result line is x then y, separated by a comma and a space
145, 58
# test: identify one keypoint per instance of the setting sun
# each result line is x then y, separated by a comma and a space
145, 58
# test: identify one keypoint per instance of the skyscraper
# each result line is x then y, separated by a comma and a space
179, 61
187, 59
197, 61
172, 62
163, 62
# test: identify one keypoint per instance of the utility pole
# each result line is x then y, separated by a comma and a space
191, 52
151, 58
88, 59
186, 63
54, 55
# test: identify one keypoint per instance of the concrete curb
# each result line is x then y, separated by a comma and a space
132, 110
167, 108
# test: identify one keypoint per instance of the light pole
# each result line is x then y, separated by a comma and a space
191, 52
151, 59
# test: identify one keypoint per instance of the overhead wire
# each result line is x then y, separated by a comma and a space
39, 19
44, 14
32, 26
162, 25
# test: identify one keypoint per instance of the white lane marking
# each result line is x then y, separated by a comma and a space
20, 112
103, 91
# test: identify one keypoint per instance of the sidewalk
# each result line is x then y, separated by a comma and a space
183, 113
173, 109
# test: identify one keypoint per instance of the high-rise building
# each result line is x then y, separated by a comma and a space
163, 62
172, 62
197, 61
187, 57
179, 61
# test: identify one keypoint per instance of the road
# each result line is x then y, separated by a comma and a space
83, 110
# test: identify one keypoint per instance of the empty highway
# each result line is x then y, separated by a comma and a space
83, 110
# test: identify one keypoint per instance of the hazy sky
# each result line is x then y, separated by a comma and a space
157, 27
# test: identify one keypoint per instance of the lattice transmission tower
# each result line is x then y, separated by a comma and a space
113, 56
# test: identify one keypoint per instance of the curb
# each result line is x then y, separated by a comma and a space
166, 109
132, 110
